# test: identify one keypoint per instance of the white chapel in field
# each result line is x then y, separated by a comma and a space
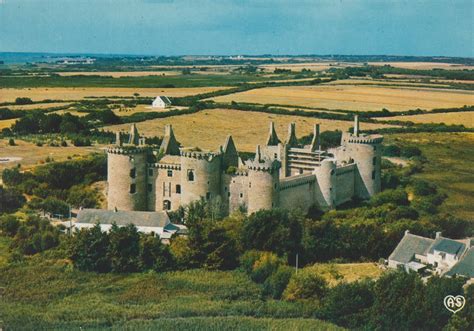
161, 102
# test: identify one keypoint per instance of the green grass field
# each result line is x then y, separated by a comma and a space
450, 159
48, 294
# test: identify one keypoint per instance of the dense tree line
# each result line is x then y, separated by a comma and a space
56, 186
122, 249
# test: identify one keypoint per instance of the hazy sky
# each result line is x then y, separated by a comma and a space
173, 27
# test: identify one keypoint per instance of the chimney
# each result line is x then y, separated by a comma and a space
134, 136
316, 143
258, 154
356, 125
118, 139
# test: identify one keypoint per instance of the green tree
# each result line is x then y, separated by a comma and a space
88, 250
9, 225
398, 303
349, 304
124, 248
437, 288
10, 200
154, 255
273, 230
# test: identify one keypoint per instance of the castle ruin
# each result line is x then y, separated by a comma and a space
282, 174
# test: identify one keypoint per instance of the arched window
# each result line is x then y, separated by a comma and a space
178, 189
133, 188
191, 175
166, 205
133, 173
374, 161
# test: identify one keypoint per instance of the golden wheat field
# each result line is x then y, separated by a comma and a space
424, 65
368, 81
354, 97
63, 93
28, 154
38, 106
209, 129
466, 118
7, 123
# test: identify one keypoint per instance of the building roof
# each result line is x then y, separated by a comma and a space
409, 246
122, 218
163, 98
465, 267
447, 245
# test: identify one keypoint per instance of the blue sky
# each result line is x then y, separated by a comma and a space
176, 27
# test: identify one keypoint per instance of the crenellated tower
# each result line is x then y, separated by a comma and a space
127, 174
263, 182
366, 152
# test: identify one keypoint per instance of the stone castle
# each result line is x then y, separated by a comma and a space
282, 174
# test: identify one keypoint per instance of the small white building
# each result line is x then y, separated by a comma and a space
157, 223
443, 256
161, 102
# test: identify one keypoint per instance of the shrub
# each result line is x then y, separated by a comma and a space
306, 285
9, 225
23, 101
410, 151
277, 282
10, 200
11, 142
348, 304
397, 197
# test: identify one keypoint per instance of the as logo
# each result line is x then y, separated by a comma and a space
454, 303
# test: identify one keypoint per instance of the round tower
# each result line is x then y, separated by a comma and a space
264, 179
366, 151
126, 178
200, 175
326, 176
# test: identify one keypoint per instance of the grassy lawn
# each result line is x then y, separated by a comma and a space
4, 254
47, 294
77, 93
450, 159
335, 273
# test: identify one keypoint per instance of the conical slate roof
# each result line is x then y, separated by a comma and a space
272, 139
169, 145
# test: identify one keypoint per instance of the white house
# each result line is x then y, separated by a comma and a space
443, 256
146, 222
161, 102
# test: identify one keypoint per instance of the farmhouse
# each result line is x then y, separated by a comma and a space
443, 256
161, 102
157, 223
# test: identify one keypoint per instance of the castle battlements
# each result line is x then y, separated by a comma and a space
200, 155
127, 150
281, 174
